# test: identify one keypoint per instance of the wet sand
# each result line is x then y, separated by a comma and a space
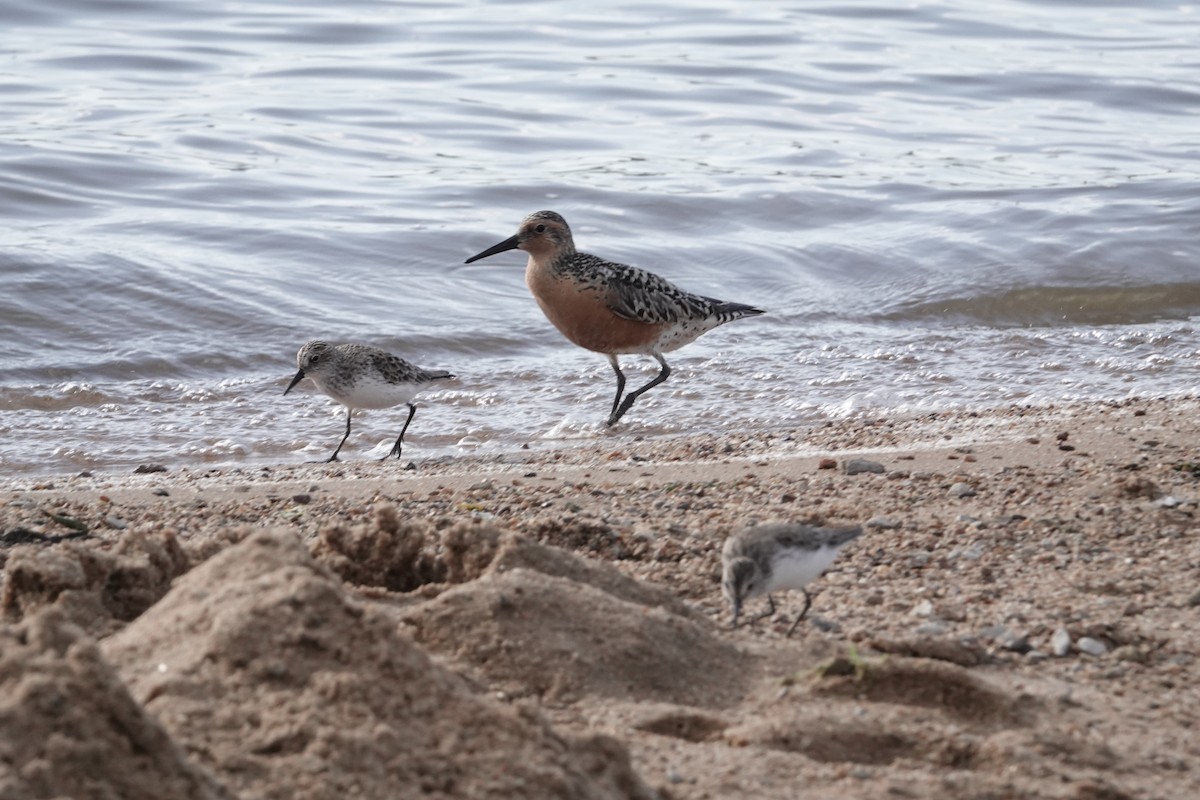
1019, 618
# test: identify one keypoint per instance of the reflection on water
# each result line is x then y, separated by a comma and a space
942, 204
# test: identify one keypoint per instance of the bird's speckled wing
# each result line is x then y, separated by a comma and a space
639, 295
397, 370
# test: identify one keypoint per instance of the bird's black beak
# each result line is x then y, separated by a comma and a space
299, 377
511, 243
737, 612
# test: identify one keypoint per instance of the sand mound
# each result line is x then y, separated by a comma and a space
80, 732
403, 556
529, 632
97, 590
261, 665
385, 552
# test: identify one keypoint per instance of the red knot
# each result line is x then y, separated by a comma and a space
358, 376
772, 558
611, 308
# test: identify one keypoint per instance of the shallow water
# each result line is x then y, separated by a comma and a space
943, 205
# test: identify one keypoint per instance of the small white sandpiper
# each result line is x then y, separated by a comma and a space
770, 558
358, 376
611, 308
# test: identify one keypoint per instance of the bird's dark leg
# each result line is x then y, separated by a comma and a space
334, 457
632, 396
395, 451
770, 612
807, 605
616, 365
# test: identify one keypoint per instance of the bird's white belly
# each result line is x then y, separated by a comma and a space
373, 394
794, 569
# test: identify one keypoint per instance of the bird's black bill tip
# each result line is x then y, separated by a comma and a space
299, 377
511, 243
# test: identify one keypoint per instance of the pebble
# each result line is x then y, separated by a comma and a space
923, 609
1007, 638
827, 463
883, 523
146, 469
932, 628
1060, 642
1093, 647
961, 490
858, 465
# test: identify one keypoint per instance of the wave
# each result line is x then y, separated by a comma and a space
1038, 306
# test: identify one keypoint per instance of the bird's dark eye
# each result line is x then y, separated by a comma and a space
540, 228
314, 359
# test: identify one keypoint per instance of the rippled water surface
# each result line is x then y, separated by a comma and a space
954, 204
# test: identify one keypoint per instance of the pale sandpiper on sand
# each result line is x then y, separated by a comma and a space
777, 557
610, 308
358, 376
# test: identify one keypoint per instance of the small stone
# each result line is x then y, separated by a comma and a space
116, 523
883, 523
146, 469
1015, 642
161, 493
788, 498
923, 609
1093, 647
1060, 642
856, 466
1035, 656
301, 499
827, 463
932, 628
961, 490
1062, 436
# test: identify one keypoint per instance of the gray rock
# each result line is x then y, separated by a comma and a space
856, 465
1015, 642
883, 523
1060, 642
1093, 647
930, 629
923, 609
961, 490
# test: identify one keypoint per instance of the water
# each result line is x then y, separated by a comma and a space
947, 204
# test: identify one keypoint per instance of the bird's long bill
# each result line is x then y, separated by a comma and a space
736, 607
299, 377
508, 244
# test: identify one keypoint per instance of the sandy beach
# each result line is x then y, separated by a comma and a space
1019, 619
